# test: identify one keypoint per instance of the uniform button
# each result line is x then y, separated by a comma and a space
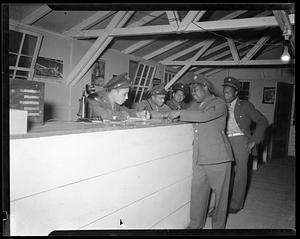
196, 131
241, 116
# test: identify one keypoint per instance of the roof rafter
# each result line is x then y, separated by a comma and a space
285, 25
232, 24
187, 66
36, 15
97, 48
173, 19
233, 50
94, 19
141, 22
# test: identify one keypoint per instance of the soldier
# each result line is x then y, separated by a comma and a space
107, 103
180, 91
212, 155
155, 103
241, 114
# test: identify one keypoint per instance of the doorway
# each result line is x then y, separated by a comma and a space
282, 120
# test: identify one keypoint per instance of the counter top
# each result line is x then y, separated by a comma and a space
72, 127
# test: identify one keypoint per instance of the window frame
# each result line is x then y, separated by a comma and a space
16, 68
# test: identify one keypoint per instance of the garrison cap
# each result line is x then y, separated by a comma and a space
179, 86
233, 82
158, 90
201, 80
118, 81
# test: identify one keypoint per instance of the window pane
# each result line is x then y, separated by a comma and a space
149, 76
25, 61
140, 70
29, 45
12, 59
22, 75
137, 80
15, 39
11, 72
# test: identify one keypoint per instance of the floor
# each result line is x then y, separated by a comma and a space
270, 202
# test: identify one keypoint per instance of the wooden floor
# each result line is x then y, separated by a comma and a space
270, 203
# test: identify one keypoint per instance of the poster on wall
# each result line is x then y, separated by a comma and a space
46, 68
268, 95
98, 70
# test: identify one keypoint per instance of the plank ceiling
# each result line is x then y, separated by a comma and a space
200, 39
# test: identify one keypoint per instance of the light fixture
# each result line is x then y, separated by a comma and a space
286, 57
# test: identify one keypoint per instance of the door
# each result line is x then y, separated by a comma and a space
282, 118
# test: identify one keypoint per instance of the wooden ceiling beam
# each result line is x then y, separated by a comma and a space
174, 20
187, 66
97, 48
198, 45
233, 50
234, 63
36, 15
90, 21
286, 26
164, 49
223, 54
141, 22
233, 24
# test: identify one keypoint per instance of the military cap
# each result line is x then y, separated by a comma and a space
201, 80
182, 87
118, 81
158, 90
233, 82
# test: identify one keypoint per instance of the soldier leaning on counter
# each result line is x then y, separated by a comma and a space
212, 154
241, 114
107, 103
155, 103
180, 91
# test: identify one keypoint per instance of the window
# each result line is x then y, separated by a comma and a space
244, 93
168, 76
141, 82
23, 51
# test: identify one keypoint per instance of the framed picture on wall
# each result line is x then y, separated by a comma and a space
98, 70
47, 68
268, 95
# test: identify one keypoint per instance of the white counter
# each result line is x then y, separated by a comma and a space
92, 177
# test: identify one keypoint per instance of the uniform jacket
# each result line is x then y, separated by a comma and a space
174, 105
155, 111
244, 113
99, 105
211, 145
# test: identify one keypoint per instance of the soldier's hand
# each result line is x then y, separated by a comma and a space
144, 114
173, 114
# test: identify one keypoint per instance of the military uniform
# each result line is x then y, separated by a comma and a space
148, 104
244, 113
212, 157
99, 104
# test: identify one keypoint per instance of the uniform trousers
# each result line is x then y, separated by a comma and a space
240, 171
215, 177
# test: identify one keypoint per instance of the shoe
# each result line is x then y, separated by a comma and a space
233, 211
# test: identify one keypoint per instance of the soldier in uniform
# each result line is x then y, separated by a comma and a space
107, 104
180, 91
155, 103
212, 155
241, 114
